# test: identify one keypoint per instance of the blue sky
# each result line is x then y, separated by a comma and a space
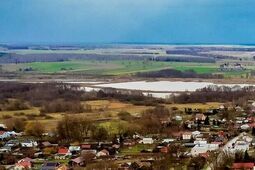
132, 21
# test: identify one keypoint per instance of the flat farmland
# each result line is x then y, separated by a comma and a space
111, 67
117, 67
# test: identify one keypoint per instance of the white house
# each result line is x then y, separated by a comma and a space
253, 104
186, 135
74, 148
222, 107
245, 127
4, 135
195, 134
200, 142
168, 140
198, 149
12, 133
147, 141
5, 149
12, 143
29, 144
247, 139
178, 118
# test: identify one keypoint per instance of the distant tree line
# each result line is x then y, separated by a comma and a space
217, 94
134, 97
50, 97
171, 58
56, 57
172, 73
58, 97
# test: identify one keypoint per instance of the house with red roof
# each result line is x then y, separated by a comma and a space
85, 146
241, 166
63, 153
22, 164
204, 155
164, 149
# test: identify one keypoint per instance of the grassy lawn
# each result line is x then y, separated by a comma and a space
236, 73
19, 113
136, 149
211, 105
197, 67
115, 106
113, 126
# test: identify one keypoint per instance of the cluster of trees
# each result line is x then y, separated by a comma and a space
50, 97
253, 71
37, 94
103, 165
204, 52
57, 97
197, 162
16, 124
57, 57
197, 59
61, 105
73, 128
10, 105
172, 73
79, 128
219, 160
134, 97
217, 94
151, 119
35, 128
54, 97
225, 160
154, 120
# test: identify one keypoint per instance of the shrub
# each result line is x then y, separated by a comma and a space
124, 115
16, 124
6, 116
48, 117
19, 114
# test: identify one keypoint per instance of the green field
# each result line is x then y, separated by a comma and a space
136, 149
115, 67
108, 67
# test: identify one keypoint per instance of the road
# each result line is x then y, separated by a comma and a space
225, 148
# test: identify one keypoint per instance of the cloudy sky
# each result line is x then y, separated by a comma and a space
127, 21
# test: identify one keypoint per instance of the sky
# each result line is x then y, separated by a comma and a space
127, 21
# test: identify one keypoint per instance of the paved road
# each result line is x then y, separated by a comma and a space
230, 143
226, 148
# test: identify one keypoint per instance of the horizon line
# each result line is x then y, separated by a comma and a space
119, 43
